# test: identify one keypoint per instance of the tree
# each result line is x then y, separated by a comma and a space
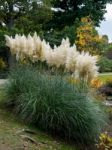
88, 38
22, 16
25, 15
67, 11
55, 36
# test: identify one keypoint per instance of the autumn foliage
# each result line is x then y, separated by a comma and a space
88, 38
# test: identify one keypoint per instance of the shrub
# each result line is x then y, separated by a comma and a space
3, 68
109, 111
105, 142
106, 89
2, 64
96, 83
105, 64
54, 105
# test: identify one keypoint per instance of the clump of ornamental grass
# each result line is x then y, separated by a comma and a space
81, 65
54, 105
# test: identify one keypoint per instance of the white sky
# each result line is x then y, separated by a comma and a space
106, 26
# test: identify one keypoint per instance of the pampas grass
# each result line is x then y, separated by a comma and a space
82, 65
54, 105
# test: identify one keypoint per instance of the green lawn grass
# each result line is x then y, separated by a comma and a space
105, 77
11, 135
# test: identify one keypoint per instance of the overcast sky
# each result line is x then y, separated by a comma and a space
106, 26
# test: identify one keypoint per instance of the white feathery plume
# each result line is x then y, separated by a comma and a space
35, 37
43, 48
86, 67
23, 45
17, 42
10, 42
30, 45
83, 65
58, 54
71, 59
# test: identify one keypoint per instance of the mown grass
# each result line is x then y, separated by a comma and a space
11, 135
105, 77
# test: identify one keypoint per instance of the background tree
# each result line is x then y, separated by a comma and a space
88, 38
68, 13
26, 15
69, 10
22, 16
108, 53
56, 36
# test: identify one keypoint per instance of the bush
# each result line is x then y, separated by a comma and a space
54, 105
3, 68
105, 142
106, 89
2, 64
105, 64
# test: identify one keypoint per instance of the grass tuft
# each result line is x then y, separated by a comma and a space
54, 105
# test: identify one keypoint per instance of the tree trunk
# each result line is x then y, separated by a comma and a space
10, 17
10, 25
11, 60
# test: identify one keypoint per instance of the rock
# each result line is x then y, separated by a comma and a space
108, 103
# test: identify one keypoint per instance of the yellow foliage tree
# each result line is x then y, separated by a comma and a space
2, 64
88, 38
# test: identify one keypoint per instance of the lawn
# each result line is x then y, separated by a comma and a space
14, 137
105, 77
